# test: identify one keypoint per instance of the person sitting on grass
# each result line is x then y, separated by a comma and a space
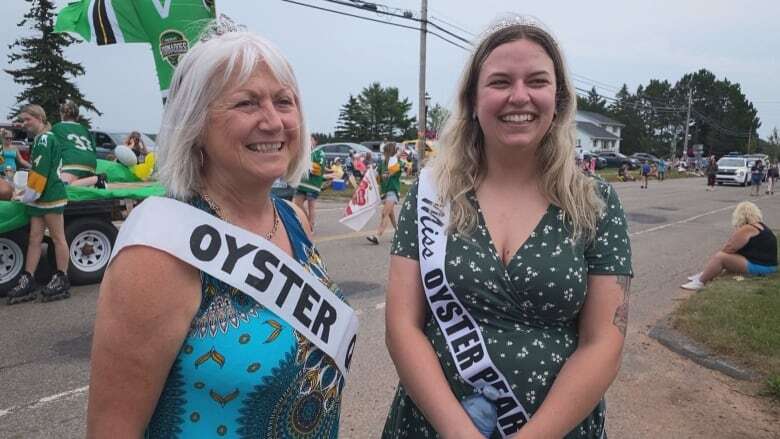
751, 249
624, 174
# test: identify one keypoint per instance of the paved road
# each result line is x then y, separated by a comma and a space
44, 366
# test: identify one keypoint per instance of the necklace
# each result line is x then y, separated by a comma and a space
221, 214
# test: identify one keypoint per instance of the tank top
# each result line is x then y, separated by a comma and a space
762, 248
9, 159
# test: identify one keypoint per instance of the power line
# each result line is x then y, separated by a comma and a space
374, 20
453, 25
404, 16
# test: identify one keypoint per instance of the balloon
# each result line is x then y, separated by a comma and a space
125, 155
144, 170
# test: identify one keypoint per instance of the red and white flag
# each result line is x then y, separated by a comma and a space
363, 204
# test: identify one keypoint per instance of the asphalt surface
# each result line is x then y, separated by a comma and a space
44, 366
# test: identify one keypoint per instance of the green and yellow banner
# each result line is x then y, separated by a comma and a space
170, 26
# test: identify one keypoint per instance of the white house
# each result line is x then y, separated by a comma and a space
596, 132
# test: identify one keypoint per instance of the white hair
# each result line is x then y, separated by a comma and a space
201, 77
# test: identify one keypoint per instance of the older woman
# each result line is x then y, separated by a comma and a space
183, 348
525, 317
751, 249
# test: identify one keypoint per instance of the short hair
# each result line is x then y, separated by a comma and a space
201, 77
746, 213
69, 110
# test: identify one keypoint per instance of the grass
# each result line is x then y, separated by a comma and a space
739, 320
346, 194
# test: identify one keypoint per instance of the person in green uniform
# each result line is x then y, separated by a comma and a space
46, 199
79, 158
537, 253
389, 176
310, 187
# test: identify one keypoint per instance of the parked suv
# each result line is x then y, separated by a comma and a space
733, 170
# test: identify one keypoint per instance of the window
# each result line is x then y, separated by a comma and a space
103, 139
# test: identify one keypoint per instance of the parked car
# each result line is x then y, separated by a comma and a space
644, 156
343, 150
733, 170
616, 159
601, 162
106, 141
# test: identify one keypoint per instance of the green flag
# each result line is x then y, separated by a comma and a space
170, 26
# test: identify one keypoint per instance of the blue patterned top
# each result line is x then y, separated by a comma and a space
244, 372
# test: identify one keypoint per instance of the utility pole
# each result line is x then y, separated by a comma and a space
687, 122
421, 113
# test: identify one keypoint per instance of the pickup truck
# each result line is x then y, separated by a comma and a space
733, 170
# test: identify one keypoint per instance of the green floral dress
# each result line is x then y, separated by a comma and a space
527, 310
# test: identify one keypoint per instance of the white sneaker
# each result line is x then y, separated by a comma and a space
693, 285
696, 276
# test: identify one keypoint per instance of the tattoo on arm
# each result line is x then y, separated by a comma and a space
620, 320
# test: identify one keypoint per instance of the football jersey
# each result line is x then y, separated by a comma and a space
44, 175
77, 147
317, 173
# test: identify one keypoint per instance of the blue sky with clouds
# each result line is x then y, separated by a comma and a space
607, 43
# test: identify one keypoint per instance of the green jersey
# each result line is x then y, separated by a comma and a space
313, 183
390, 176
170, 26
44, 176
77, 147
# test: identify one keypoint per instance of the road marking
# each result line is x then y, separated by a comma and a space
350, 235
683, 221
44, 400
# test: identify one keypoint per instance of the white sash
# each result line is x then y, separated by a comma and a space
460, 330
249, 263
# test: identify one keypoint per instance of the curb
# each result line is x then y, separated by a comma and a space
681, 344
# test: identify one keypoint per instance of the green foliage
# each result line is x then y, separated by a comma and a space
376, 113
322, 138
437, 115
46, 75
721, 117
773, 386
593, 102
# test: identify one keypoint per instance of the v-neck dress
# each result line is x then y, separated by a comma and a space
527, 311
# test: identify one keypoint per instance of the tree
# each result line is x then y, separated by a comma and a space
625, 109
593, 102
47, 76
376, 113
437, 115
773, 144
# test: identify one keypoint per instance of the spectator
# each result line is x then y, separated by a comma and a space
751, 249
136, 143
712, 173
624, 173
756, 175
661, 169
645, 174
771, 178
9, 153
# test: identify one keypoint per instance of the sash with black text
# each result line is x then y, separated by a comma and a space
460, 329
250, 263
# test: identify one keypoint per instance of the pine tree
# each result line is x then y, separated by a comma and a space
47, 76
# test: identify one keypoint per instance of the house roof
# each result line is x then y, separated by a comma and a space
600, 118
594, 131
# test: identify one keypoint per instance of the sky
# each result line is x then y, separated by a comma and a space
607, 44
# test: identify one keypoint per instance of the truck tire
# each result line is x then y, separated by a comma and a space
13, 246
90, 242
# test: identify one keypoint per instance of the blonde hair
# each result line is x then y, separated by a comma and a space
69, 110
203, 74
37, 112
460, 165
746, 213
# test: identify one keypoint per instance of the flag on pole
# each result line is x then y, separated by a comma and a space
363, 203
170, 26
